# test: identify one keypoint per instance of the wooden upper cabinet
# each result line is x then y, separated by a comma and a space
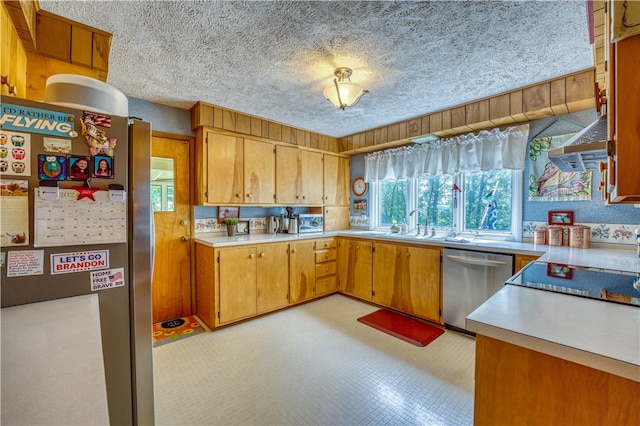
14, 57
298, 176
336, 180
288, 175
312, 176
259, 172
624, 107
225, 172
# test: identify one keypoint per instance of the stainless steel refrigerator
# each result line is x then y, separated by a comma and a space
41, 144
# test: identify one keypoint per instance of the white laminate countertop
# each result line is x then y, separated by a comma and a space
598, 334
52, 363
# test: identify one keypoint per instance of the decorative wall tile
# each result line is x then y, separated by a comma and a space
209, 225
600, 232
360, 220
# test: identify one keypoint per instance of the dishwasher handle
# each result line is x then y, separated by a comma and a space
475, 261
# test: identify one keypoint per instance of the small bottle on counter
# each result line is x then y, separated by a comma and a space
403, 228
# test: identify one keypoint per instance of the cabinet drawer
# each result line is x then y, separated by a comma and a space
324, 269
325, 243
326, 285
325, 255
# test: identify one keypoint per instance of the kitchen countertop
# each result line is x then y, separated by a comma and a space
602, 335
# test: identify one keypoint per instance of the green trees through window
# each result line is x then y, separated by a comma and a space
481, 202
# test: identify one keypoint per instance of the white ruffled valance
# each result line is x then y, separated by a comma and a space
486, 150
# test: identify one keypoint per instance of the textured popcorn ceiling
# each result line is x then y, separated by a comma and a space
272, 59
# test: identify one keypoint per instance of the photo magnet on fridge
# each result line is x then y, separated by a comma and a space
79, 167
103, 166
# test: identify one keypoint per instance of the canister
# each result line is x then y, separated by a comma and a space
555, 234
540, 236
579, 236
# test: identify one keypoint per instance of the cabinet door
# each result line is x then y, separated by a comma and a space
363, 269
336, 180
343, 251
386, 264
312, 175
627, 127
272, 276
225, 169
302, 267
288, 175
259, 172
237, 284
421, 284
523, 260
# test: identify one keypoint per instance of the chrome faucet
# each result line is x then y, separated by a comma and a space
426, 221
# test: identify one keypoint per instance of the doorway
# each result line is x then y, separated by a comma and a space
171, 290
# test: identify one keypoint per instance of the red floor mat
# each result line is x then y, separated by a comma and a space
403, 327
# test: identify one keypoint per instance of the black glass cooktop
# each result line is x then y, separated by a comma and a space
595, 283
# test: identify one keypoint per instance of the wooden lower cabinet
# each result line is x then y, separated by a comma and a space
519, 386
237, 287
302, 271
523, 260
355, 263
326, 266
408, 279
272, 277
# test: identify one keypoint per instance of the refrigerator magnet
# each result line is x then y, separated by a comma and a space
103, 166
49, 190
116, 193
79, 167
52, 167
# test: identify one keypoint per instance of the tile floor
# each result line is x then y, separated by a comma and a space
313, 365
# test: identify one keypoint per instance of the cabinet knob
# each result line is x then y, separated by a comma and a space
183, 222
408, 254
293, 250
251, 256
248, 195
238, 195
261, 254
326, 244
397, 253
184, 238
304, 197
326, 256
297, 197
326, 269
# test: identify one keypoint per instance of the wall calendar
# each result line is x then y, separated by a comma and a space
75, 220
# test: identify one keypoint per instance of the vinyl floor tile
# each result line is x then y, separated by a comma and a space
313, 364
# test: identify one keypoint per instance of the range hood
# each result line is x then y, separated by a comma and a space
585, 150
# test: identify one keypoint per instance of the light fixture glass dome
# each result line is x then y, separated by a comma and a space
343, 93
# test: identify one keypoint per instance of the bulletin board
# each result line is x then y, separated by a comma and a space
72, 221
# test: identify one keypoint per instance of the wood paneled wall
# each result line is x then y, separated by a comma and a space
574, 92
203, 114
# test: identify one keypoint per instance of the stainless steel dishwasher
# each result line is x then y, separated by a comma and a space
470, 278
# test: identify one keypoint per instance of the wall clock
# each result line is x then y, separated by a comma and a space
359, 187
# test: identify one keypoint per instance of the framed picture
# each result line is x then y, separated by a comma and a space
559, 271
103, 166
79, 167
557, 217
360, 206
242, 227
225, 212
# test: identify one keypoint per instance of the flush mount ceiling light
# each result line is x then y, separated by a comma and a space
343, 93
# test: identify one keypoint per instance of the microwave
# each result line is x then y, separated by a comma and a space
310, 223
